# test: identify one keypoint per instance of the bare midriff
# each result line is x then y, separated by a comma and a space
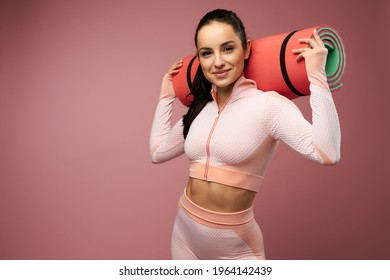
219, 197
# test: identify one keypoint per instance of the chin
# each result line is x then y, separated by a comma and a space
225, 83
222, 85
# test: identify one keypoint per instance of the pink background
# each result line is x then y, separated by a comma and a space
79, 82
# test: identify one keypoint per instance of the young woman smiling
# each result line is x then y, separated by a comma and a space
230, 134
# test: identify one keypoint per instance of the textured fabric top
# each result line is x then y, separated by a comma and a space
234, 146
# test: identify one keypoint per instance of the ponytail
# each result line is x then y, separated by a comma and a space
201, 90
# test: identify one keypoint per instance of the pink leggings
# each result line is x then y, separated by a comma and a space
201, 234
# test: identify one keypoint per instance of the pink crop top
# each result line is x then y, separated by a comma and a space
234, 147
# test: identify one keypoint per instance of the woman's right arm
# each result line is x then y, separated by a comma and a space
166, 142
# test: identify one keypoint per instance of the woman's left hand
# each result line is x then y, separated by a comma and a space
315, 59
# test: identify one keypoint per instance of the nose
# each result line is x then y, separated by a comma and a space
218, 61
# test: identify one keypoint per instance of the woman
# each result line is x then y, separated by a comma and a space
230, 133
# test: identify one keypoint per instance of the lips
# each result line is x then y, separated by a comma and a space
221, 73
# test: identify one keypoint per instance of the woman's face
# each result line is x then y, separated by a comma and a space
221, 55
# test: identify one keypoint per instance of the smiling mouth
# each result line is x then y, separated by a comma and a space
221, 73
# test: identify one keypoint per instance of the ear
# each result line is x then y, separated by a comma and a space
248, 49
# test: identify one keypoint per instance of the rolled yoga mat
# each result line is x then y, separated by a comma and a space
273, 65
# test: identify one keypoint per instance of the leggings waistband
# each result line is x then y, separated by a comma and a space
222, 218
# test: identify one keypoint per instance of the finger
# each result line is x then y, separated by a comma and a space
317, 38
301, 53
177, 64
299, 57
310, 41
172, 71
305, 41
301, 50
175, 67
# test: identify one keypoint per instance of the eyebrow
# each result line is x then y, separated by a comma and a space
221, 46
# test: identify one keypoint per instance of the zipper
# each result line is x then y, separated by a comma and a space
206, 171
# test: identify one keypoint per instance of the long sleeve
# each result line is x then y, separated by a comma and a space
319, 141
166, 142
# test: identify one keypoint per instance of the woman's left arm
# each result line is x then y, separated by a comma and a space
319, 141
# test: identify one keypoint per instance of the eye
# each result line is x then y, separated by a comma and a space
228, 49
205, 53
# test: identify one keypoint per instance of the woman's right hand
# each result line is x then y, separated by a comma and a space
167, 85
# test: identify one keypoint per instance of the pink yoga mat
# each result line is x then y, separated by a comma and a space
273, 65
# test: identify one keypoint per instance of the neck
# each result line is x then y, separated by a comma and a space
223, 95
